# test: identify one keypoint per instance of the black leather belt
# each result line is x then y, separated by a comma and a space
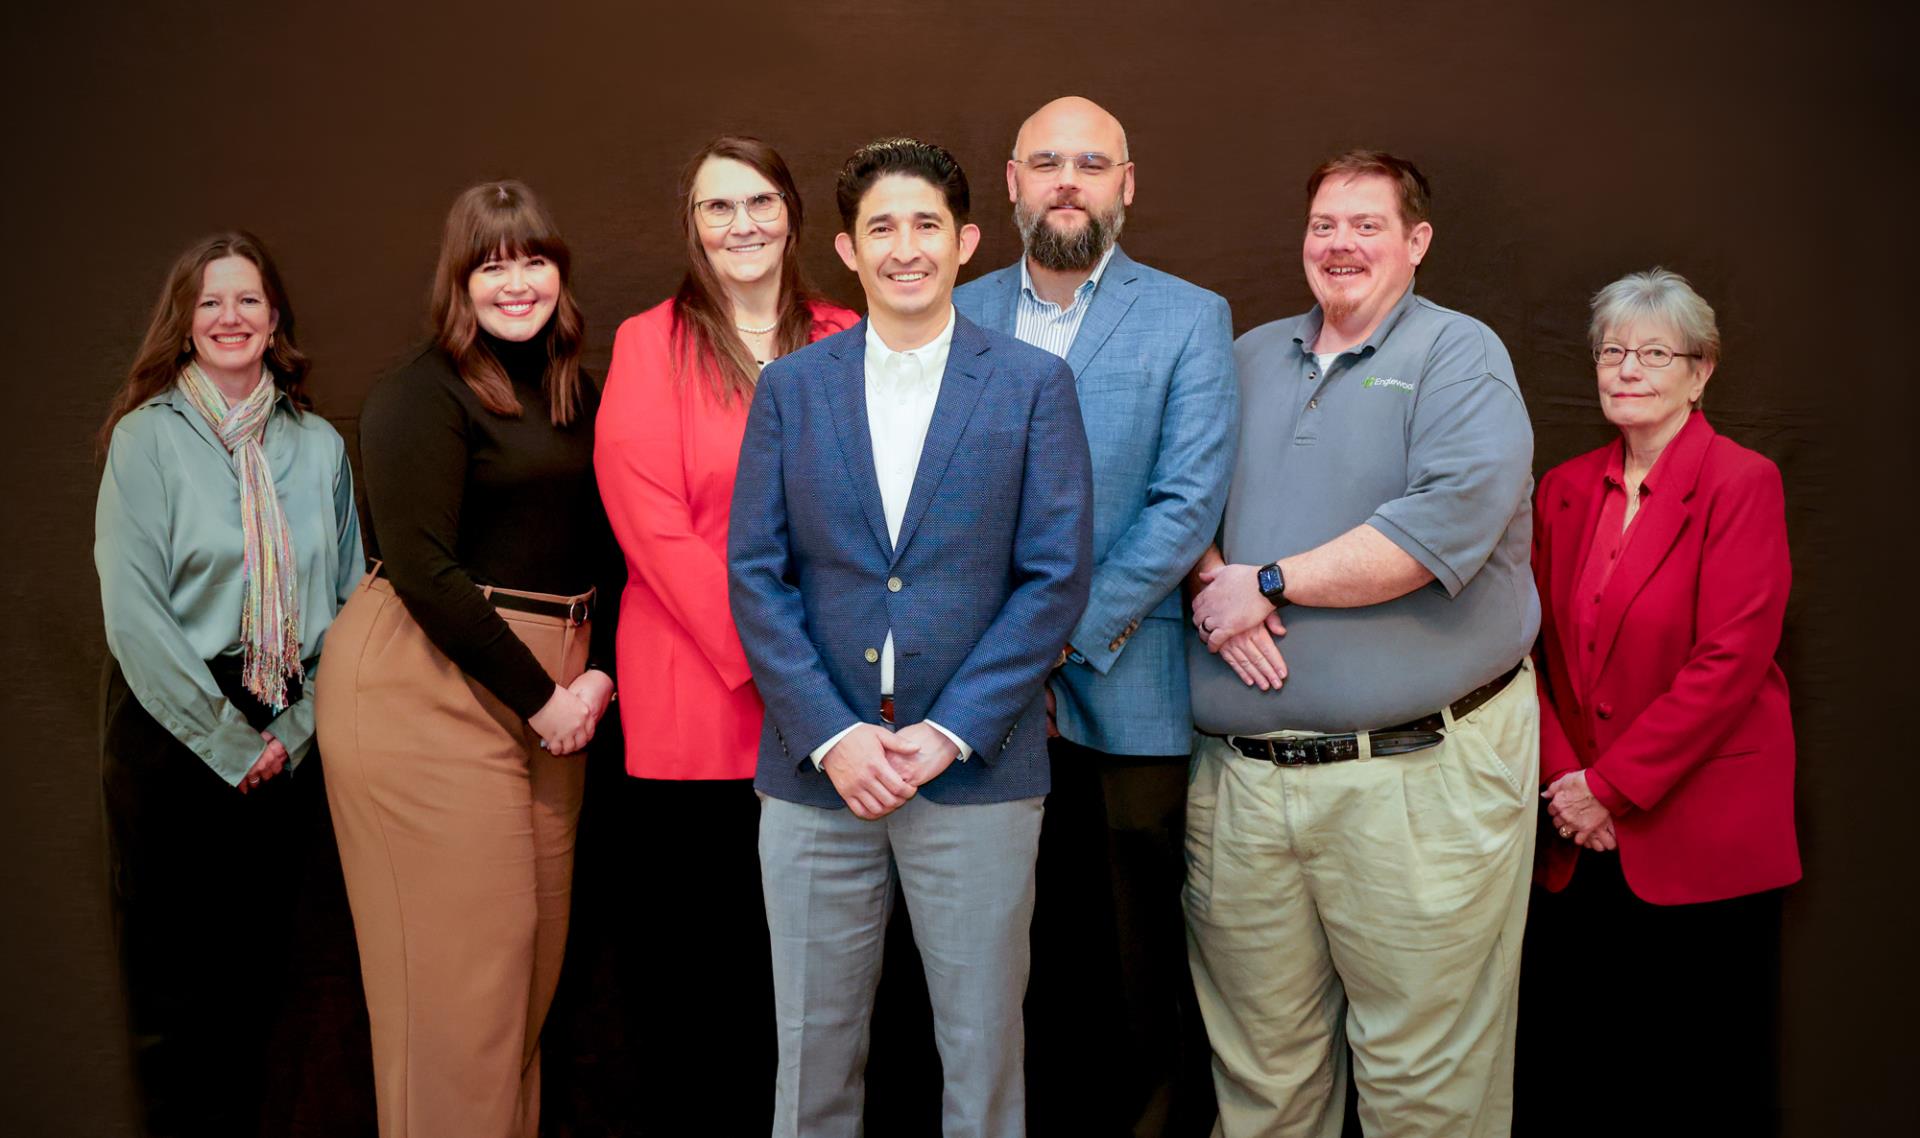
1400, 739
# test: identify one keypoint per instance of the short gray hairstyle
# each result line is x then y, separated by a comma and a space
1662, 296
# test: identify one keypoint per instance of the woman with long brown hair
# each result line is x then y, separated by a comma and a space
467, 675
226, 540
670, 427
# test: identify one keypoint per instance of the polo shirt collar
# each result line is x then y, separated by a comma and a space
1310, 331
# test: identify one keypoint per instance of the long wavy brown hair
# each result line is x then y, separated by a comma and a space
704, 339
168, 344
505, 219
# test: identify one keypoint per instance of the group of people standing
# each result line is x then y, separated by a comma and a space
1216, 685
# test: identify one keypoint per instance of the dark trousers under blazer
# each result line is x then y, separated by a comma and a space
992, 565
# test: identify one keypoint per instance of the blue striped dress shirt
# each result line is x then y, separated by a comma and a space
1045, 324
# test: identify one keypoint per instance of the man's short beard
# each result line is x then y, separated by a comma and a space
1068, 252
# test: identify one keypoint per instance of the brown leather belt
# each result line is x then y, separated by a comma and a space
886, 710
1400, 739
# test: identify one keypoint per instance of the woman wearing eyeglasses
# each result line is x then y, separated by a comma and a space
669, 434
1667, 749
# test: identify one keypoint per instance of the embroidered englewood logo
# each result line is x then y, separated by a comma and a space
1387, 381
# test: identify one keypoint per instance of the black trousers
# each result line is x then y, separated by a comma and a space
204, 884
663, 1024
1646, 1019
1115, 1044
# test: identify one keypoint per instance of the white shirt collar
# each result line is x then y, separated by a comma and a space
932, 354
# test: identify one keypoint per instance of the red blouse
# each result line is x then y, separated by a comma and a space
1611, 535
665, 452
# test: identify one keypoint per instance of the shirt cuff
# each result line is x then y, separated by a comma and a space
819, 754
1615, 802
966, 752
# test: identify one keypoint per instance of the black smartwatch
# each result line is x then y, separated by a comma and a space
1273, 584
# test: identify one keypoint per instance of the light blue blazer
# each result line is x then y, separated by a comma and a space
1153, 365
983, 587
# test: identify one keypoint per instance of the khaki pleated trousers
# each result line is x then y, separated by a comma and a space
456, 835
1379, 904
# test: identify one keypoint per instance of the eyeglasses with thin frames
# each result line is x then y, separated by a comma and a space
1049, 164
717, 213
1649, 355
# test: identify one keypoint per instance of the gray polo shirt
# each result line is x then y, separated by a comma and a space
1421, 433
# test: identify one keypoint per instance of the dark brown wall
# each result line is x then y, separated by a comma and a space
1755, 153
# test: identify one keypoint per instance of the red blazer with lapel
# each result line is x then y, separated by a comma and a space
665, 451
1686, 715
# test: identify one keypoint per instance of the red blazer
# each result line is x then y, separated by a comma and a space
665, 453
1686, 715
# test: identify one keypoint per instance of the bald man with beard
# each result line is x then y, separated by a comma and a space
1111, 1004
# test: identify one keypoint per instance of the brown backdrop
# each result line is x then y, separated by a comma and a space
1756, 153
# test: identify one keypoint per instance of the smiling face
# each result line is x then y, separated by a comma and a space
1068, 220
232, 321
908, 252
744, 251
513, 297
1359, 254
1650, 401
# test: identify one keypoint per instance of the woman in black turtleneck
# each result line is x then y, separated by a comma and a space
463, 678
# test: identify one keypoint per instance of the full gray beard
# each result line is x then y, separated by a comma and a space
1068, 252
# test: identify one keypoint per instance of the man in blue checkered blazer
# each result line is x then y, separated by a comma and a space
909, 547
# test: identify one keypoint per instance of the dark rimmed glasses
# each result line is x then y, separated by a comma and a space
1048, 164
1649, 355
717, 213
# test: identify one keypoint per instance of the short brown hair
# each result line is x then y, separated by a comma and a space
1416, 197
504, 219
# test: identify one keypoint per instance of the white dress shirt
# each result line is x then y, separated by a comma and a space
902, 391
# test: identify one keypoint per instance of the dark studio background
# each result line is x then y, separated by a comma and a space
1766, 155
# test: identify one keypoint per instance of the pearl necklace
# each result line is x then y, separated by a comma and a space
758, 331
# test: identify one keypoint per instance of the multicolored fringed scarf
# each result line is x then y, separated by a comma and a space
270, 605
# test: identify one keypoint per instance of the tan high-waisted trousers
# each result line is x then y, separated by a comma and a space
456, 834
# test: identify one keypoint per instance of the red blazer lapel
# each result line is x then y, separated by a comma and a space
1578, 494
1665, 516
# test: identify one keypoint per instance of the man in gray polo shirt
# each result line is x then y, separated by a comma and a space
1361, 819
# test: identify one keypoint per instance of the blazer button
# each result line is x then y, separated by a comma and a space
873, 655
894, 584
1603, 710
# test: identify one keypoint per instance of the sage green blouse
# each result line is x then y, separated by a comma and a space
168, 548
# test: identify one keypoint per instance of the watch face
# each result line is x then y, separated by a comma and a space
1269, 579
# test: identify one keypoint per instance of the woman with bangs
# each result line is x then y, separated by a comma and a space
682, 378
467, 677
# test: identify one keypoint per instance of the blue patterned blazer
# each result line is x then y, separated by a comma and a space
993, 561
1153, 364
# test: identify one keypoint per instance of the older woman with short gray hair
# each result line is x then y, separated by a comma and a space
1667, 749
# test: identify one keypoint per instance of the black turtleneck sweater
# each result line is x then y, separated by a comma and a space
461, 497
